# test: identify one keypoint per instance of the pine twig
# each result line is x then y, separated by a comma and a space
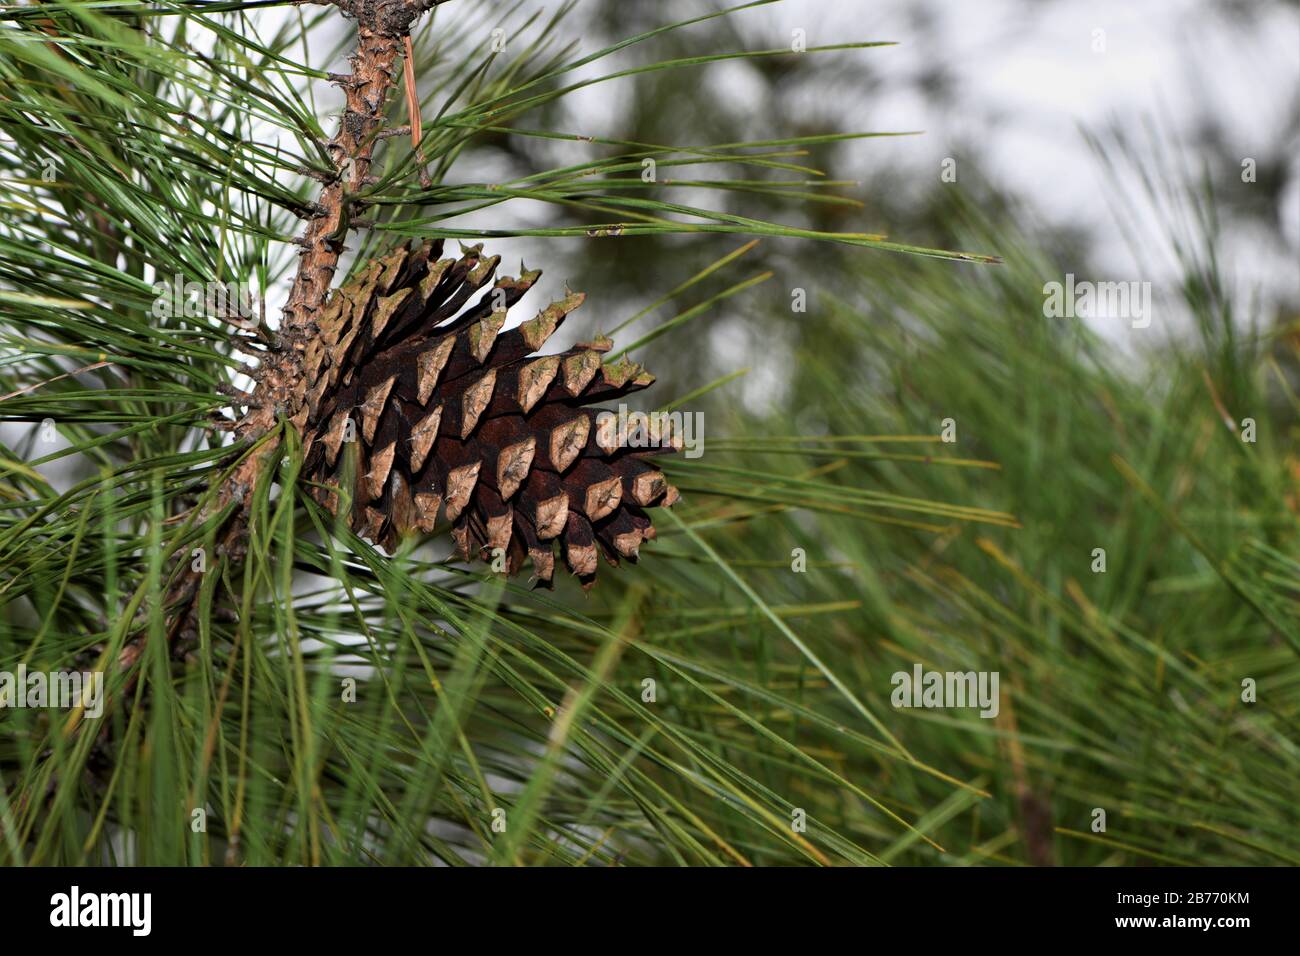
383, 32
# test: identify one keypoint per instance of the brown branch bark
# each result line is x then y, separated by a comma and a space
383, 30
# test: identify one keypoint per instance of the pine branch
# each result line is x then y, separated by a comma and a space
383, 32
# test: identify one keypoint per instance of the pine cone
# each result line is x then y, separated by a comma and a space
450, 413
